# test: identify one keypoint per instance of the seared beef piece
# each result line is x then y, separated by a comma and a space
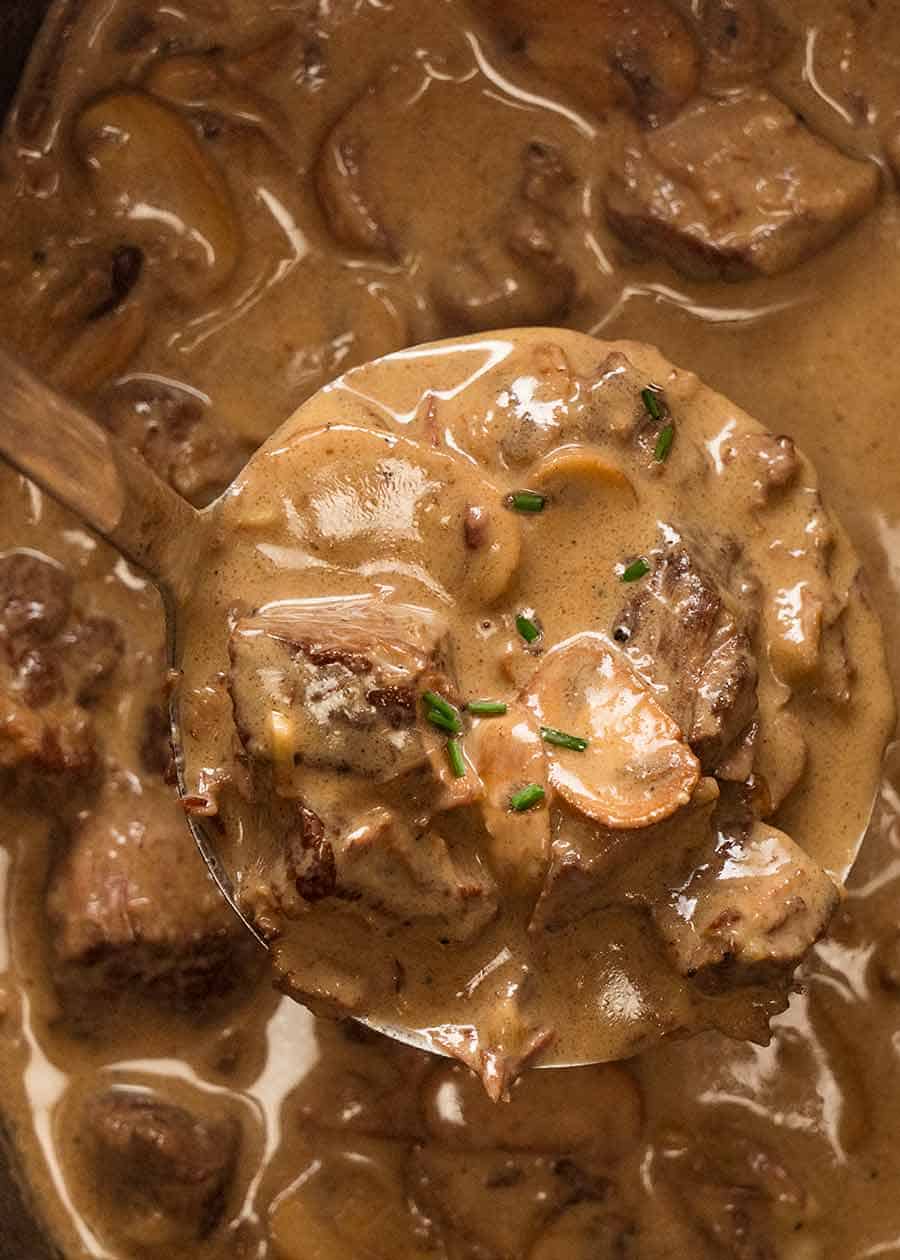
52, 662
380, 867
164, 1172
335, 684
734, 188
688, 629
35, 598
752, 908
175, 432
132, 908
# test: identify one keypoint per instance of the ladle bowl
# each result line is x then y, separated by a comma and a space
54, 442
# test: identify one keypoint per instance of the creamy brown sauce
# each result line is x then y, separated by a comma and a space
244, 304
343, 593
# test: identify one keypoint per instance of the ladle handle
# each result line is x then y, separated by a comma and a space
51, 440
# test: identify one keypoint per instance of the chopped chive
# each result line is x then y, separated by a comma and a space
650, 399
552, 736
637, 569
487, 708
455, 757
526, 798
452, 725
527, 628
664, 443
436, 701
526, 501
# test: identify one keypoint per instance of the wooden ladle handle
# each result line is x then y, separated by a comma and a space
52, 441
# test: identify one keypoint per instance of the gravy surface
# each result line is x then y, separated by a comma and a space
194, 314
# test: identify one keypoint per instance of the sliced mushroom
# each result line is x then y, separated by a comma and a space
578, 465
539, 1115
637, 768
637, 53
147, 168
349, 1200
100, 351
509, 754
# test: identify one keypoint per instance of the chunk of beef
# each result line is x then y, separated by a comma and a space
335, 684
736, 187
752, 909
592, 866
175, 431
53, 662
635, 53
35, 598
383, 869
164, 1173
132, 908
688, 629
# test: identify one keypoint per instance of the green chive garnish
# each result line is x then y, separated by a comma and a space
664, 443
486, 708
552, 736
637, 569
436, 701
452, 725
527, 628
650, 399
455, 757
526, 798
526, 501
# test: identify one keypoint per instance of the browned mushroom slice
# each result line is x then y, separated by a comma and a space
579, 464
335, 684
637, 768
592, 866
637, 53
147, 168
495, 1202
741, 39
383, 867
509, 754
759, 903
459, 1114
350, 1199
